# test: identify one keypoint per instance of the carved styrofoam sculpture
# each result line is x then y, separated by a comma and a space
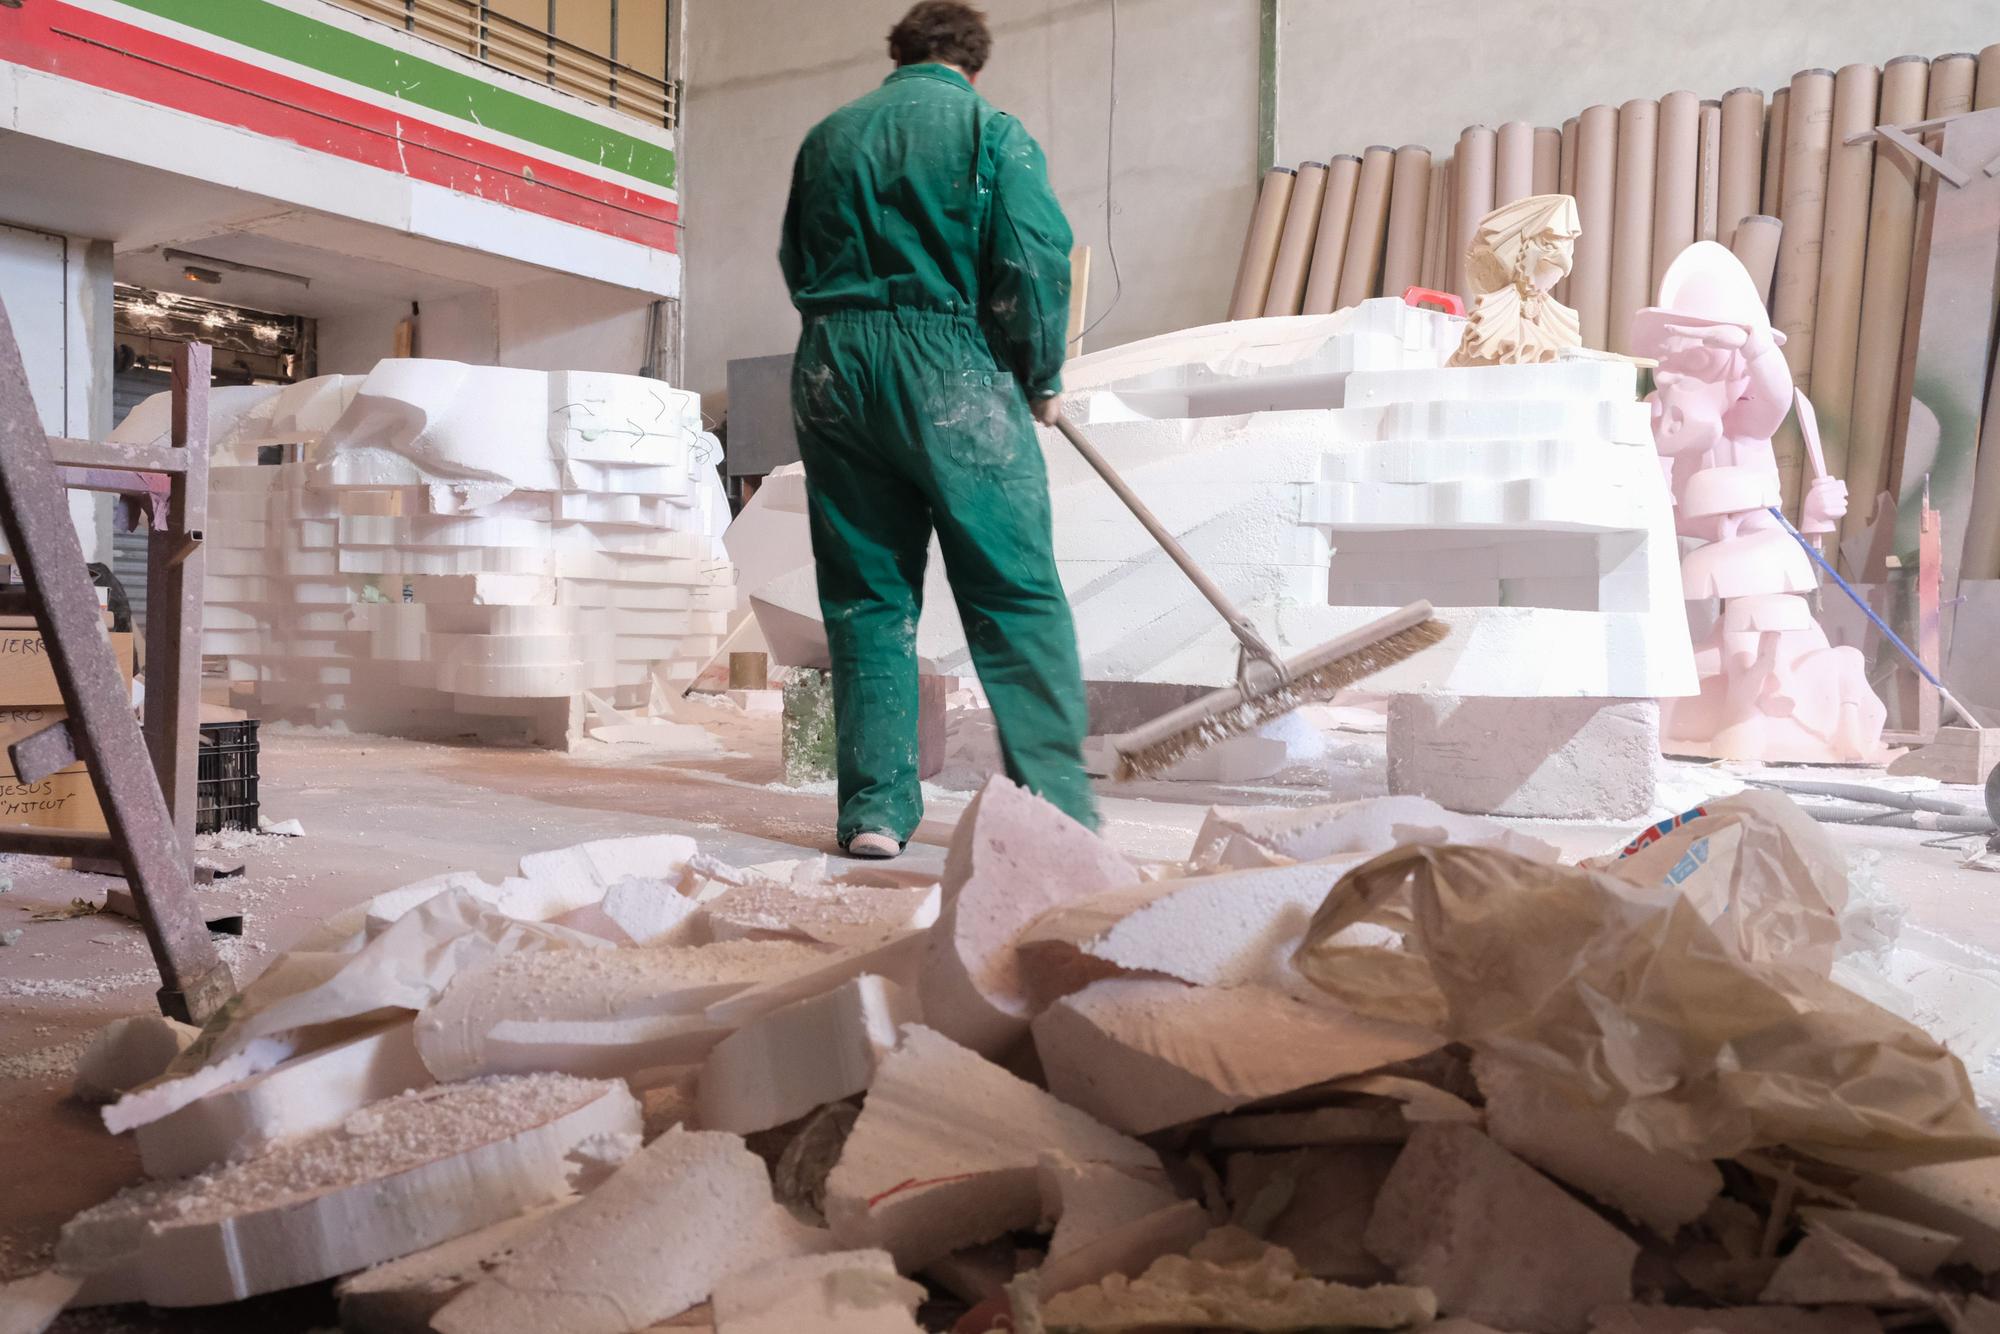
462, 547
1324, 469
1771, 687
1519, 252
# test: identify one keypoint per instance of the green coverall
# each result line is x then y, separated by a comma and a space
927, 253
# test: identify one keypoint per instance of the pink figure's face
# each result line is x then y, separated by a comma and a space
1687, 411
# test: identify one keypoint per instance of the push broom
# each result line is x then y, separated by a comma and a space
1267, 686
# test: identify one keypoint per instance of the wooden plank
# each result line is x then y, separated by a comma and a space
176, 568
1079, 297
69, 453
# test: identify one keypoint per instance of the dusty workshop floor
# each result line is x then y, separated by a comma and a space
379, 813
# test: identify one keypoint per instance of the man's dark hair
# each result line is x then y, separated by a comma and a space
944, 32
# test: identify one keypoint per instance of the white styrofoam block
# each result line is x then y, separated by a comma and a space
1563, 759
781, 1065
441, 483
947, 1150
608, 1012
310, 1092
399, 1175
1266, 450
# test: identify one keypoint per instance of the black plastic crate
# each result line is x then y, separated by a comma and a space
226, 786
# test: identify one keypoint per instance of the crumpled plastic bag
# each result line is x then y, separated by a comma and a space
1625, 996
1757, 868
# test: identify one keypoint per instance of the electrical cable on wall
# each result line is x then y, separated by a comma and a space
1110, 143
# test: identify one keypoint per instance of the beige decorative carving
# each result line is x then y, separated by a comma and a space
1519, 252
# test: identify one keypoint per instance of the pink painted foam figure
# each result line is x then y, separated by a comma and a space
1772, 688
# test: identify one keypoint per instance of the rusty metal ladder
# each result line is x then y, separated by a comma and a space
146, 783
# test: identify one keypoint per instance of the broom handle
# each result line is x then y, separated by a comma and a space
1239, 624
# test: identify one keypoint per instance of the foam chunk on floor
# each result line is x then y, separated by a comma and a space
781, 1065
1496, 1240
829, 911
128, 1052
30, 1305
395, 1177
1141, 1054
401, 1296
845, 1292
1013, 858
947, 1150
653, 1240
1234, 1281
1826, 1269
1232, 836
1089, 1200
1576, 1145
1225, 929
310, 1092
594, 1012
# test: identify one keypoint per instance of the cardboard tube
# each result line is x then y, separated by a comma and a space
1986, 83
1548, 161
1565, 182
1596, 191
1362, 265
1437, 271
1742, 160
1795, 294
1513, 162
1772, 193
1952, 83
1676, 177
1843, 249
1708, 172
1477, 149
1336, 214
1885, 292
1756, 244
1409, 204
1295, 243
1808, 144
1260, 245
1632, 220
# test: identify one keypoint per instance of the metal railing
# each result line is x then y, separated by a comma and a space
472, 28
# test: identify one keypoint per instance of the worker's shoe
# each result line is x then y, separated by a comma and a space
874, 847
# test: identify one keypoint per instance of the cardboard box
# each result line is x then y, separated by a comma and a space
26, 677
22, 720
64, 801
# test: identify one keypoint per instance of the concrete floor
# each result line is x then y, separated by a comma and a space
379, 813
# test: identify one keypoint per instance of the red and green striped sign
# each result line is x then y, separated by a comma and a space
272, 70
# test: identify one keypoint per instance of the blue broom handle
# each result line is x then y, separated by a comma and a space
1866, 610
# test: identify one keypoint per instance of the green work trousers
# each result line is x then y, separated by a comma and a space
908, 423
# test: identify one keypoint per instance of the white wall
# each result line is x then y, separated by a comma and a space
1425, 69
550, 324
57, 290
1408, 71
761, 72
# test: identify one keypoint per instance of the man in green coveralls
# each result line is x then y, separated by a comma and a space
930, 260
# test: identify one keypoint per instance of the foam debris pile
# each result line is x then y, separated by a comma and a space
1371, 1066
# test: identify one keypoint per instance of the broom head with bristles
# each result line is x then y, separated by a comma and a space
1312, 677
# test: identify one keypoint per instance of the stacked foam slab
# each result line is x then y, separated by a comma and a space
1325, 469
460, 548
